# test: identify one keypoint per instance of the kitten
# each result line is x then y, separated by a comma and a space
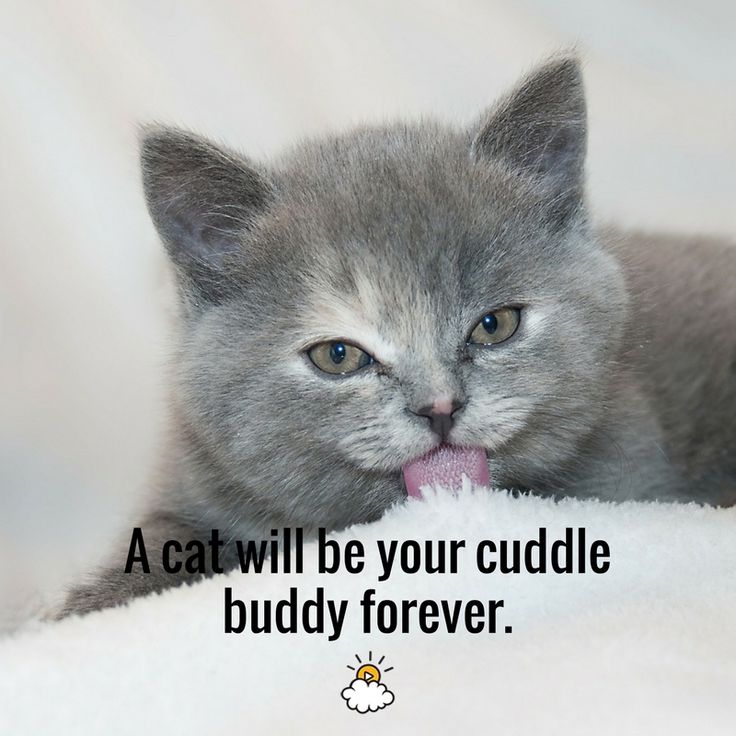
372, 297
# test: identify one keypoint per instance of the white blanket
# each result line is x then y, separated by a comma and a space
646, 648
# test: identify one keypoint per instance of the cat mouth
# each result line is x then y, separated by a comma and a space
445, 466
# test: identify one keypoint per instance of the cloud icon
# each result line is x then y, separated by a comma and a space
367, 695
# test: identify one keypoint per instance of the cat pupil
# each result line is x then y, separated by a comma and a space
337, 352
490, 324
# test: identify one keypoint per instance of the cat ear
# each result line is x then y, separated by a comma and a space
540, 129
202, 199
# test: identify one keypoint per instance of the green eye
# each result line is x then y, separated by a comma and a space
339, 357
495, 327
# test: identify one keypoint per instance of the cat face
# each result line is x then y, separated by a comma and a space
372, 296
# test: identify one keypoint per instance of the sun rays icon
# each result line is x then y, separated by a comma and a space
366, 693
367, 670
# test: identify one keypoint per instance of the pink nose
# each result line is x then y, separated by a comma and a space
440, 414
443, 406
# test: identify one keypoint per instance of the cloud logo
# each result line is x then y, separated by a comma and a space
366, 693
367, 696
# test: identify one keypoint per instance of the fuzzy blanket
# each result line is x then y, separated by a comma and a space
648, 647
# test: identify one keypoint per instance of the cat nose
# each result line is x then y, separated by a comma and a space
441, 415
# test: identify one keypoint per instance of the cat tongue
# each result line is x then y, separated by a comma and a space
445, 466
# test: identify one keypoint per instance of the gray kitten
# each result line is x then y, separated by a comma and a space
409, 303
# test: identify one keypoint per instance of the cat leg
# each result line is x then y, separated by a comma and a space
112, 586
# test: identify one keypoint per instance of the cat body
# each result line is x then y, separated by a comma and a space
403, 252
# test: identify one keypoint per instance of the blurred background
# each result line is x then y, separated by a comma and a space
85, 300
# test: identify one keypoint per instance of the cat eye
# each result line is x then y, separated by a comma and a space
338, 357
495, 327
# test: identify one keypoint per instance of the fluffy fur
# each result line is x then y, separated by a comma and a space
619, 382
642, 649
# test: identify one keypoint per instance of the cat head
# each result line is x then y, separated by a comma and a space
367, 297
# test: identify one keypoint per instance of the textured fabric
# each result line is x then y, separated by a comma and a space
647, 647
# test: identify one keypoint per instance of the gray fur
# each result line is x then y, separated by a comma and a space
618, 384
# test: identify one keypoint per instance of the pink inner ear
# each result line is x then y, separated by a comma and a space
445, 466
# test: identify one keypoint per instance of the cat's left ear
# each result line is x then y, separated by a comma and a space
539, 129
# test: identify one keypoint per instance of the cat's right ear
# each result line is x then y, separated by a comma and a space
202, 199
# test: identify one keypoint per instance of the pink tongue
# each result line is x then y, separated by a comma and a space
445, 466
